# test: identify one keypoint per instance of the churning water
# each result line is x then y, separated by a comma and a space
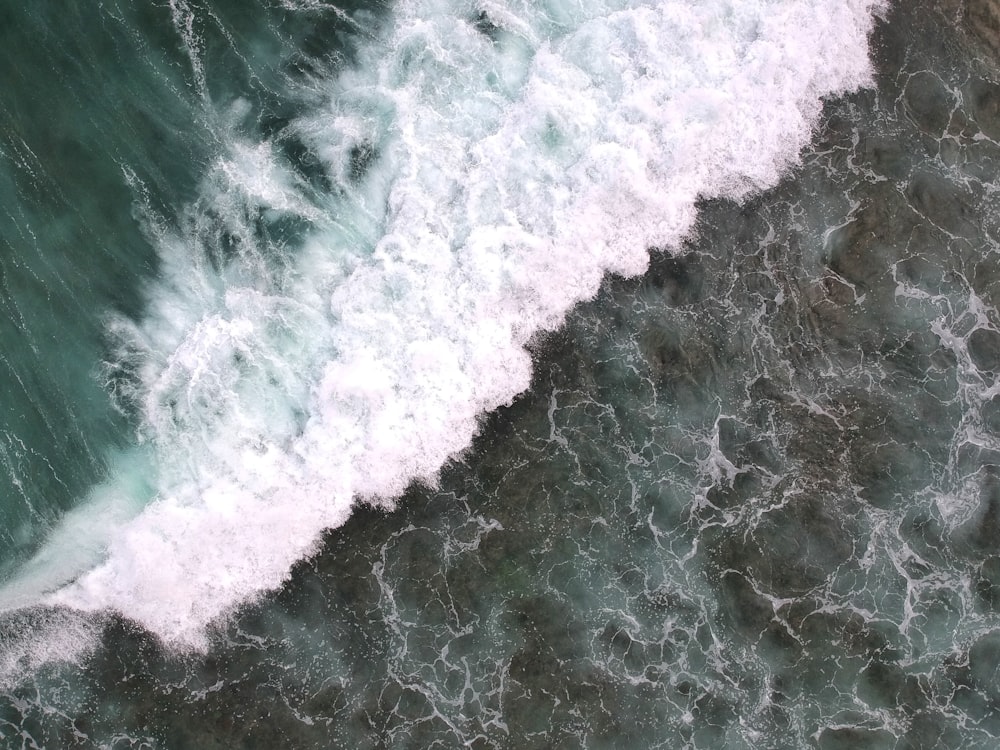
500, 374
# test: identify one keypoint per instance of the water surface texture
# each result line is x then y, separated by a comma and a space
274, 268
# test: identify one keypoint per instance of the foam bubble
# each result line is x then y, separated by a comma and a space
486, 171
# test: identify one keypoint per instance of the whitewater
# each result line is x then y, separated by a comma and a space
329, 330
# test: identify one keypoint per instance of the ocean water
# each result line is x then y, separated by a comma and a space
555, 374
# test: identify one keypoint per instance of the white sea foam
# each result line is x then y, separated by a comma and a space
482, 184
33, 638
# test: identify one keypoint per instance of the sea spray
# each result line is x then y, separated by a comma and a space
315, 339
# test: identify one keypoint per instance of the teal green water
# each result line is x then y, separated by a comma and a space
106, 120
70, 249
750, 499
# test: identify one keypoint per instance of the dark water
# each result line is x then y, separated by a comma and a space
751, 498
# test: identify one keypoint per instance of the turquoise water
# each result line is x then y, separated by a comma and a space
104, 117
747, 499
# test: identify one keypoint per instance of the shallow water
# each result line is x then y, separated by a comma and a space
749, 499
